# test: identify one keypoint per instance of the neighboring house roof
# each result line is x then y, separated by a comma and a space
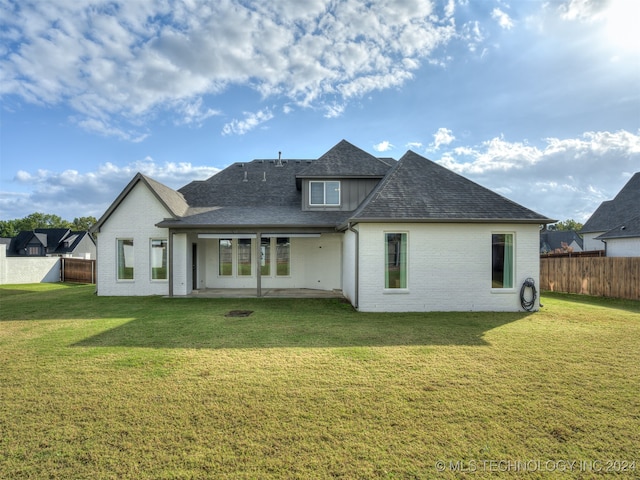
418, 189
613, 213
345, 160
173, 201
550, 240
628, 229
55, 241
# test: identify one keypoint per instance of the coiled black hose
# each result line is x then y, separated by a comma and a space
528, 304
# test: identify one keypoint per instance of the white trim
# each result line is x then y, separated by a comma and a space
513, 260
386, 289
166, 247
291, 235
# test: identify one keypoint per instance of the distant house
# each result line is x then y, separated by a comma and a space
560, 240
614, 226
407, 235
51, 242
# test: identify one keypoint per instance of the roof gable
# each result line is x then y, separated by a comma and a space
419, 189
171, 200
612, 213
347, 160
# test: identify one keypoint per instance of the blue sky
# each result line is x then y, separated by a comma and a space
537, 100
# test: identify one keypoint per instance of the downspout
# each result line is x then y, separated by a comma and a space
357, 269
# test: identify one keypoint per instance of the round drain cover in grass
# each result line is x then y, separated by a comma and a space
239, 313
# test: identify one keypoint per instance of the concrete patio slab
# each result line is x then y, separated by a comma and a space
266, 292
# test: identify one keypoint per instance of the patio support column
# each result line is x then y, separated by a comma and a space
258, 264
170, 262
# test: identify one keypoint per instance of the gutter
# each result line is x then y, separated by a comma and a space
357, 272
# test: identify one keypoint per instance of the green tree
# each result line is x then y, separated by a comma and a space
83, 223
567, 225
9, 228
42, 220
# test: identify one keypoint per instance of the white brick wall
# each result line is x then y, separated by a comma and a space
134, 218
449, 267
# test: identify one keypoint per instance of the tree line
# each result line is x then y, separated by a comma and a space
11, 228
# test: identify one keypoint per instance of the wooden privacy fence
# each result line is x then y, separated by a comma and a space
617, 277
77, 270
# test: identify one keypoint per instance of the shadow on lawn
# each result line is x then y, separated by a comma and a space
283, 325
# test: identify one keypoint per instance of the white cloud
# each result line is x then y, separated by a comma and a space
443, 136
71, 193
503, 18
117, 62
251, 121
98, 126
333, 110
414, 145
566, 178
583, 10
383, 146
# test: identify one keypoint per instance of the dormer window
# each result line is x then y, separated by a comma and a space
324, 193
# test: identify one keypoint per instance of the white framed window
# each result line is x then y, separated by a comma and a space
158, 260
265, 256
396, 264
245, 265
125, 259
225, 257
283, 256
324, 193
502, 260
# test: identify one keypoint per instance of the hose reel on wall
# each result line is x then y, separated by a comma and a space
529, 284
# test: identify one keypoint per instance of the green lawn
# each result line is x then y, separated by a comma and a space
96, 387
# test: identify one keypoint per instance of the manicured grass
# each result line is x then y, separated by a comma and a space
97, 387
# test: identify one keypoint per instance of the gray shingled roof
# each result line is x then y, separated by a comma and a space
257, 193
260, 182
628, 229
264, 193
420, 190
260, 216
346, 160
613, 213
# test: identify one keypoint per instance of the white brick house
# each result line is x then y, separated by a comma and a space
392, 236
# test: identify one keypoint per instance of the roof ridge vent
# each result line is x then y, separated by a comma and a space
279, 162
